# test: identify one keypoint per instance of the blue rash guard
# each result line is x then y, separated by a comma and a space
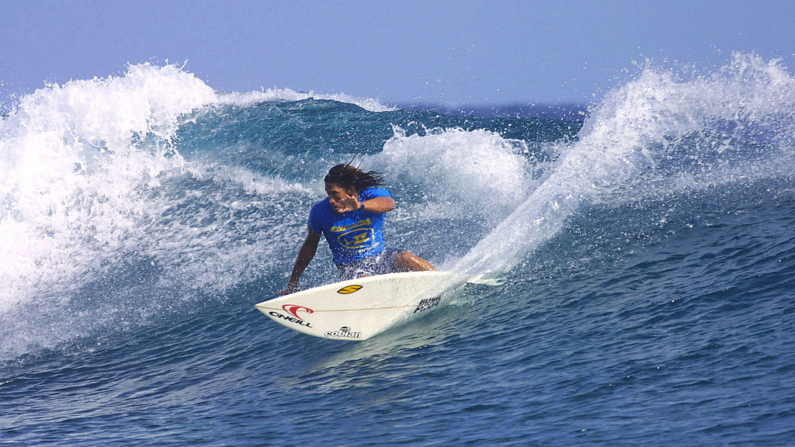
354, 235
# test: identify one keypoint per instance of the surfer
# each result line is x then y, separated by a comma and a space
351, 218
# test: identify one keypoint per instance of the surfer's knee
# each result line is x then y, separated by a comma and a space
406, 261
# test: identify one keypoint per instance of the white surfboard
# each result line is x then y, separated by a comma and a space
360, 308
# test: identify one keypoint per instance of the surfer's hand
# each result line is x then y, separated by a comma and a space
291, 288
350, 204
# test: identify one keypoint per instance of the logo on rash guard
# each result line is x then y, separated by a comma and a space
356, 239
293, 309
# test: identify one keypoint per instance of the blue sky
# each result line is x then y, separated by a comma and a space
400, 51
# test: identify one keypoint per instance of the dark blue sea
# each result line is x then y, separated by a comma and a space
646, 245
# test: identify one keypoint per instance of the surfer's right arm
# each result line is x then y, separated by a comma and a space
305, 255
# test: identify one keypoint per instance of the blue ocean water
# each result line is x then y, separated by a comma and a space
646, 246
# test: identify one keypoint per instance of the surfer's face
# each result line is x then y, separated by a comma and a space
341, 199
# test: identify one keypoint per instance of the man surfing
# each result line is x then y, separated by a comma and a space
351, 218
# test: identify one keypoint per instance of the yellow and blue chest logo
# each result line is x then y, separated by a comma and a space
355, 236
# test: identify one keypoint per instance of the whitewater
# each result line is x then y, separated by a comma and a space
645, 247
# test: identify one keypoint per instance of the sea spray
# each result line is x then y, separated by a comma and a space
653, 135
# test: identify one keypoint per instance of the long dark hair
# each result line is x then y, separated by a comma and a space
346, 176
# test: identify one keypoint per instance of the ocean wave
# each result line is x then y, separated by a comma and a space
151, 184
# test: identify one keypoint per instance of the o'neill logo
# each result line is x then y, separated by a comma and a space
293, 309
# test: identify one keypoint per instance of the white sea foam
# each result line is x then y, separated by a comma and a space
70, 170
478, 171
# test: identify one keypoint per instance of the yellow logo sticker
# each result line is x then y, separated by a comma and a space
349, 289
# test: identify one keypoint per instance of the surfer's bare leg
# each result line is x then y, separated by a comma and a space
406, 261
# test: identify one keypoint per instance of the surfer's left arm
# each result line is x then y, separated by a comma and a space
378, 205
305, 255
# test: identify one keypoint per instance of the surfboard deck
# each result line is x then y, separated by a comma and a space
358, 309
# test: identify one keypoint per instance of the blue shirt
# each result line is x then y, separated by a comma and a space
354, 235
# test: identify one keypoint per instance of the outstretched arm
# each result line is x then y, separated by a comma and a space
379, 204
305, 255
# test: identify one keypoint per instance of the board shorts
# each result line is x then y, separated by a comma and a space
379, 264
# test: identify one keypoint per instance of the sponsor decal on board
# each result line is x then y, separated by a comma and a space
427, 304
344, 332
293, 310
350, 289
